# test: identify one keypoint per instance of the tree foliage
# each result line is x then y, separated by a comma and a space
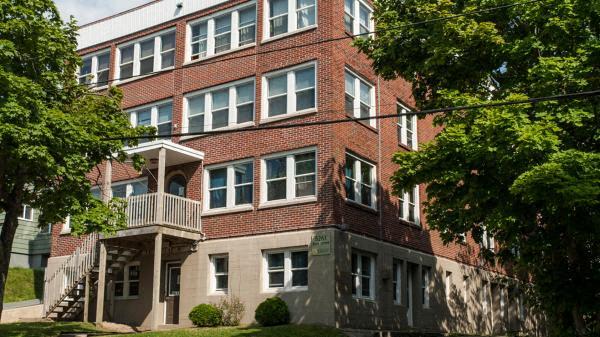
527, 174
52, 130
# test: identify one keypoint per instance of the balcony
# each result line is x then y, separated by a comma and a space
163, 209
160, 211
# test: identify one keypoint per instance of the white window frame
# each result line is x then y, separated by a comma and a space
128, 188
137, 53
24, 212
214, 274
210, 32
208, 110
133, 113
287, 269
94, 68
358, 275
290, 92
126, 281
397, 285
403, 132
425, 286
356, 110
404, 202
290, 178
487, 241
356, 17
357, 181
230, 204
292, 16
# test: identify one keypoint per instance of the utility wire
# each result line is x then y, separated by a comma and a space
346, 36
569, 96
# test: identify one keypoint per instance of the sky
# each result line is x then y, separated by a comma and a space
86, 11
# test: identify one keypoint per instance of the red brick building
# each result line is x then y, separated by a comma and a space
304, 213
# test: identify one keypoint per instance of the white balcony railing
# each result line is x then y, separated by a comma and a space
144, 210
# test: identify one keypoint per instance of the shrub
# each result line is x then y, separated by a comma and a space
206, 315
232, 309
273, 311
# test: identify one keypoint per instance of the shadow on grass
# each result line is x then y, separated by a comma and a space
250, 331
43, 329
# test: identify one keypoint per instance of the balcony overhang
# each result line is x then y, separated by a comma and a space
176, 154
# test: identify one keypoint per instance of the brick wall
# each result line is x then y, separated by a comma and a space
332, 141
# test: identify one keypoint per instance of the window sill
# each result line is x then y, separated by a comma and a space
282, 203
140, 77
267, 120
288, 34
284, 290
230, 210
361, 206
406, 147
366, 299
23, 219
231, 127
246, 46
368, 126
218, 293
126, 298
65, 232
410, 224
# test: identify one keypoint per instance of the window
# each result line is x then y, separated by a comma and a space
465, 289
286, 270
220, 272
397, 281
247, 26
147, 55
448, 285
289, 177
127, 281
229, 186
408, 206
502, 302
360, 181
359, 99
425, 285
94, 69
487, 241
223, 106
358, 9
407, 127
124, 189
222, 32
289, 15
290, 91
159, 115
27, 213
521, 307
363, 276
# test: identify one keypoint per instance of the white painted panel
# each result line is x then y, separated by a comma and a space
139, 19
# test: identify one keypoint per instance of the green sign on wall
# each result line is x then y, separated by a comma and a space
320, 244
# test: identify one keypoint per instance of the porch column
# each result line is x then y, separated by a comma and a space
106, 182
101, 284
86, 299
162, 156
155, 313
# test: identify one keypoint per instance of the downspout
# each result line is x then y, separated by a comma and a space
379, 164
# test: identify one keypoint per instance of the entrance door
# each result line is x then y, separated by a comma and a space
172, 293
409, 294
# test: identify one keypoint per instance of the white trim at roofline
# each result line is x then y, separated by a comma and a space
168, 145
139, 19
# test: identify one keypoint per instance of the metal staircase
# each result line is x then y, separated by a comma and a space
64, 290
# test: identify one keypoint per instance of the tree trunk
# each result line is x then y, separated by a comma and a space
6, 241
578, 321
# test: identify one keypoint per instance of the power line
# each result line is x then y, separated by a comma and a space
576, 95
346, 36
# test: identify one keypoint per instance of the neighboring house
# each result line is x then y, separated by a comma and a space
31, 246
304, 213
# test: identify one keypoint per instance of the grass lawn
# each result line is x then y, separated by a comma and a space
43, 329
277, 331
24, 284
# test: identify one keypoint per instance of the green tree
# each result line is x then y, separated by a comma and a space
51, 129
528, 174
